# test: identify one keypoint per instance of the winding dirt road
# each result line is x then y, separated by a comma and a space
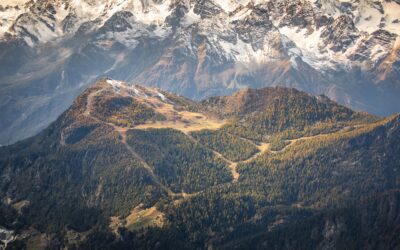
123, 138
122, 131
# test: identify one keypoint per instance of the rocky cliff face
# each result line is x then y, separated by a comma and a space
348, 51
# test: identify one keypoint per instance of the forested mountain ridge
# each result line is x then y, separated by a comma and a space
270, 110
136, 167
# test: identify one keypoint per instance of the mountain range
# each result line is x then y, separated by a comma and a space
199, 124
129, 166
51, 50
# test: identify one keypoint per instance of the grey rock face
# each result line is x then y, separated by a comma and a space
339, 34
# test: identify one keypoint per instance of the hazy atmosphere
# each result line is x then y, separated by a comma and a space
199, 124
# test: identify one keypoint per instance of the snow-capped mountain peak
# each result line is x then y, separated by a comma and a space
200, 48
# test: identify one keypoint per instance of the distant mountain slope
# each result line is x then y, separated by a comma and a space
124, 158
51, 50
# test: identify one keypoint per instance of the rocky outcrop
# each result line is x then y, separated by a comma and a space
339, 35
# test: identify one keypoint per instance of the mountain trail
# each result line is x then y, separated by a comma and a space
231, 164
122, 131
123, 135
263, 148
305, 138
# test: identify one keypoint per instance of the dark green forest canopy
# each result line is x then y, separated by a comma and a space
322, 160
